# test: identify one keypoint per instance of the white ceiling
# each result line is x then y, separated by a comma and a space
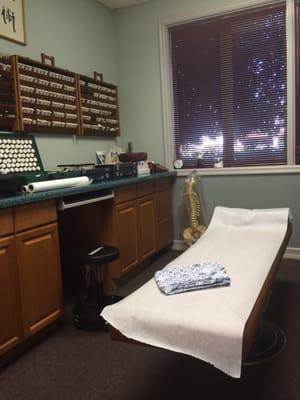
121, 3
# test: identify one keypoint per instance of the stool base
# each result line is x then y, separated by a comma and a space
87, 316
269, 342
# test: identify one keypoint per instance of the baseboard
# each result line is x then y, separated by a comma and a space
179, 245
291, 253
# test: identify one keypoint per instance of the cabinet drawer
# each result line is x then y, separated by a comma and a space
145, 188
163, 184
125, 193
32, 215
6, 222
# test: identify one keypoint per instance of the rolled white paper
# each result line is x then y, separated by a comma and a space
25, 189
57, 184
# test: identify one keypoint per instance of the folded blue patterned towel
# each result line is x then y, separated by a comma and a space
185, 278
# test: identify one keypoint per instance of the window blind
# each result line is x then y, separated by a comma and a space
229, 89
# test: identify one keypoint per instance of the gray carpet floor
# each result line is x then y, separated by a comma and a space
73, 364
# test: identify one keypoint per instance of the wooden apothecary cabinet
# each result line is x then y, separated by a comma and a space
40, 97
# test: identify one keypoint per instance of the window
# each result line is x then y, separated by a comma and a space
230, 89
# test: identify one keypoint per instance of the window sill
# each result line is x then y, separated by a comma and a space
278, 169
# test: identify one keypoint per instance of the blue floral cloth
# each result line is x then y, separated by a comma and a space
184, 278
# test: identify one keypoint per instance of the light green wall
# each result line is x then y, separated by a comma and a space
81, 36
243, 191
141, 114
139, 68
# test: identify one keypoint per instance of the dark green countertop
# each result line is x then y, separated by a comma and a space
26, 198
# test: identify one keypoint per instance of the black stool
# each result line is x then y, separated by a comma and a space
86, 313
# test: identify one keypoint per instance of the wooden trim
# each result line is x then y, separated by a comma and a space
45, 321
9, 345
19, 126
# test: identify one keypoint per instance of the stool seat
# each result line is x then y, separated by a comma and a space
99, 255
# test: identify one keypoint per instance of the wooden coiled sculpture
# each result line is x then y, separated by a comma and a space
192, 200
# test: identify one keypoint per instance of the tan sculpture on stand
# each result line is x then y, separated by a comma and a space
192, 200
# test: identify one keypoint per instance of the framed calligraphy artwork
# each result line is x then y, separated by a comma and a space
12, 21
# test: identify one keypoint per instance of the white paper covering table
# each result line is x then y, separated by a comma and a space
209, 324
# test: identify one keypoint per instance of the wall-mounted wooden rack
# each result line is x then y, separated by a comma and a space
99, 106
40, 97
8, 98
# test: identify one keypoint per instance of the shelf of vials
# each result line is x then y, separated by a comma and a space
99, 107
48, 98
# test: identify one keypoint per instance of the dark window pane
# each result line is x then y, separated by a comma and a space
229, 85
197, 103
259, 86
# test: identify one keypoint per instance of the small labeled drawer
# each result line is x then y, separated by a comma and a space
32, 215
6, 222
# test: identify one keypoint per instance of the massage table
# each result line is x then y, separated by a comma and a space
217, 325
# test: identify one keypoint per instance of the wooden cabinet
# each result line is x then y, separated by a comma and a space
40, 277
30, 276
135, 231
143, 223
40, 97
11, 331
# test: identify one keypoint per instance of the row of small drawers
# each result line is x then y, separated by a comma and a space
18, 219
132, 192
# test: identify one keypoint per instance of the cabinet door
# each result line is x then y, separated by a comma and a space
164, 226
147, 227
11, 331
40, 277
127, 231
164, 233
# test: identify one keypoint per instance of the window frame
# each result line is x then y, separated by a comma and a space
167, 90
